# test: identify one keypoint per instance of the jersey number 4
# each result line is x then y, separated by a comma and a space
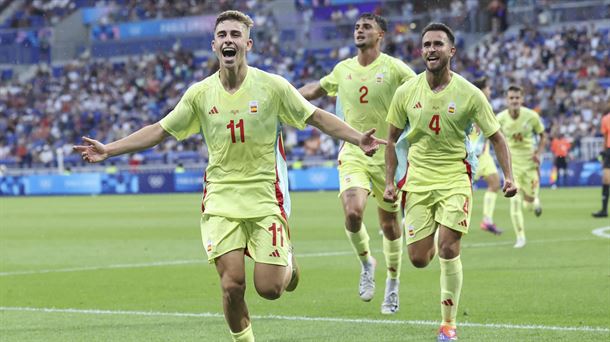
239, 125
435, 123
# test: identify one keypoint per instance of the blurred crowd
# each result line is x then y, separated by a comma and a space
562, 73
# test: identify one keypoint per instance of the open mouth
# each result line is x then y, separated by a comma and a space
229, 52
433, 59
360, 37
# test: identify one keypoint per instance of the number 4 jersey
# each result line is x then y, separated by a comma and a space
440, 156
246, 174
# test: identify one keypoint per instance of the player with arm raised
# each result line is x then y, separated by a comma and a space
437, 109
240, 110
365, 85
522, 126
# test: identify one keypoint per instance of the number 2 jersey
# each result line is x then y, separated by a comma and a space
437, 124
246, 174
366, 93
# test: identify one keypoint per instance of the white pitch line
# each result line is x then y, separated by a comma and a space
197, 261
305, 318
602, 232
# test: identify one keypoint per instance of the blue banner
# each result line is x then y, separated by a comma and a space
156, 28
315, 178
188, 182
156, 182
75, 184
119, 183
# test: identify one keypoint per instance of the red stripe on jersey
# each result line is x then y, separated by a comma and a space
403, 180
279, 196
468, 170
280, 143
339, 152
205, 191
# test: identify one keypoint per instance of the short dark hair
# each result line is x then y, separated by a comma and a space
480, 82
514, 87
381, 21
439, 27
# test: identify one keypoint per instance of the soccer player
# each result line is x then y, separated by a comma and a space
365, 85
239, 111
605, 128
437, 109
523, 126
486, 169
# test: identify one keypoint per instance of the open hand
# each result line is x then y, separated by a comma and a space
369, 143
93, 152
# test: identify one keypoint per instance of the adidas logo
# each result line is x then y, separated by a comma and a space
275, 254
447, 302
417, 105
464, 223
213, 111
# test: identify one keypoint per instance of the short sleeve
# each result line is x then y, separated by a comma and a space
183, 121
404, 72
484, 115
397, 113
538, 125
330, 82
294, 109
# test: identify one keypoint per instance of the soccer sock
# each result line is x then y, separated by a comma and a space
245, 335
536, 202
516, 216
489, 205
451, 286
360, 243
392, 250
605, 192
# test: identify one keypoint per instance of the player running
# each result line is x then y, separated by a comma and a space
365, 85
523, 127
239, 111
437, 109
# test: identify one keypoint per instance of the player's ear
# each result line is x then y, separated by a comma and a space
213, 45
249, 44
381, 34
453, 50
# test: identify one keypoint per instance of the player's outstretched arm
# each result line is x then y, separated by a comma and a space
312, 91
503, 156
331, 125
94, 151
391, 162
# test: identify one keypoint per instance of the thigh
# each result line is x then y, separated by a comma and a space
529, 183
419, 216
353, 174
221, 235
231, 267
377, 177
453, 209
268, 240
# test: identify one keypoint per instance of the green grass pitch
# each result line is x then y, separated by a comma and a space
132, 268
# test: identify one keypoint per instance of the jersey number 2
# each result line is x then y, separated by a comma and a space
239, 125
364, 91
435, 123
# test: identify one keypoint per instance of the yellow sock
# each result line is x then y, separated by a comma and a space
516, 216
245, 335
393, 256
451, 286
360, 243
489, 205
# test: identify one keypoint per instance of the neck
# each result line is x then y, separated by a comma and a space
514, 113
439, 80
233, 77
368, 55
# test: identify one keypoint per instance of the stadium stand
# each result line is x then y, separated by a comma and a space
564, 67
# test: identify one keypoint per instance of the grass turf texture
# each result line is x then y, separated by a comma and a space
108, 259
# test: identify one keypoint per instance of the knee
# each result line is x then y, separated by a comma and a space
233, 291
421, 260
447, 251
270, 291
353, 217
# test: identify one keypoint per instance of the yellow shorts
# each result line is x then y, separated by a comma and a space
487, 166
424, 211
353, 174
267, 239
528, 182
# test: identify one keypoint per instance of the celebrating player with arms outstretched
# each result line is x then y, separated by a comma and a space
365, 85
239, 111
437, 109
